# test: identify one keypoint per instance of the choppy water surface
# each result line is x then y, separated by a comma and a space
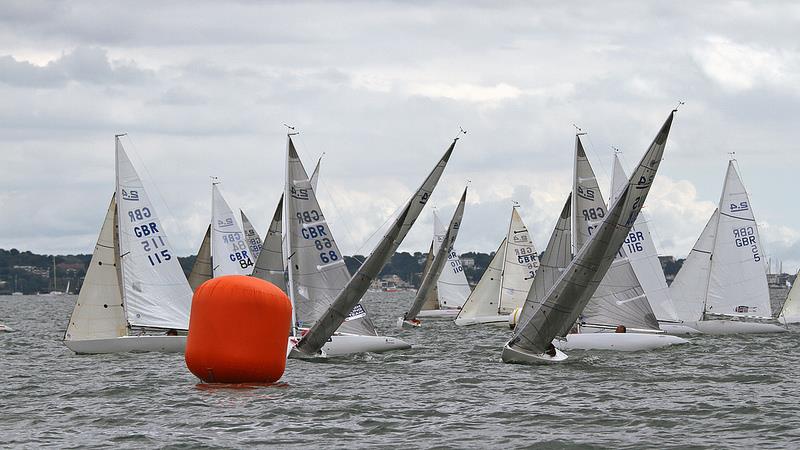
451, 390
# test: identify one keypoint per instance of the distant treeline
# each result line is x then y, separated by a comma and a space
30, 273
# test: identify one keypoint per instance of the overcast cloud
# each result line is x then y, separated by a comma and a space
381, 88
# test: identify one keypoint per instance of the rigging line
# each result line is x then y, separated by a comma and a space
151, 184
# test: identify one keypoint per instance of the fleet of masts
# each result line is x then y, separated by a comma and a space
598, 285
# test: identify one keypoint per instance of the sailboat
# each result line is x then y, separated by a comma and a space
55, 290
135, 296
722, 286
17, 291
618, 312
553, 314
427, 292
452, 289
790, 312
224, 250
505, 284
643, 258
326, 336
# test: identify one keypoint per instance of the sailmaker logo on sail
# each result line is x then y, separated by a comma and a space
130, 195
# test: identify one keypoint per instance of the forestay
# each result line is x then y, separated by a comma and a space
313, 341
452, 287
439, 260
229, 252
99, 312
643, 257
317, 269
270, 263
155, 290
619, 300
738, 281
690, 286
251, 237
521, 261
569, 295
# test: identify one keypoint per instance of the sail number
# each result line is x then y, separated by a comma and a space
153, 244
633, 243
318, 234
139, 214
744, 237
238, 252
308, 216
593, 214
455, 263
527, 257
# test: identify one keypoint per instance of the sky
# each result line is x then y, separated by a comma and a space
380, 89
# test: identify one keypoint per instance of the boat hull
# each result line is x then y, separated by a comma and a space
445, 314
725, 327
350, 344
624, 342
500, 320
513, 355
407, 324
164, 344
5, 328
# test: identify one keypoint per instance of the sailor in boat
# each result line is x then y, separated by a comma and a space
620, 329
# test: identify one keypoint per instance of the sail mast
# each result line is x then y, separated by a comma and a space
287, 196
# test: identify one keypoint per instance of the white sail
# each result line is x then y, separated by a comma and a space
229, 252
643, 257
452, 286
573, 289
155, 290
270, 264
738, 282
484, 299
790, 313
620, 299
521, 261
251, 237
442, 256
556, 257
201, 270
317, 269
432, 296
344, 303
689, 288
99, 312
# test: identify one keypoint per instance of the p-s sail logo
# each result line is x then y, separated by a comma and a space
130, 195
742, 206
225, 223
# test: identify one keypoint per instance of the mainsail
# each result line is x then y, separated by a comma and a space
155, 291
349, 297
738, 282
690, 286
643, 256
452, 287
619, 300
229, 252
201, 269
251, 237
439, 260
270, 263
569, 295
790, 313
520, 263
99, 312
432, 297
317, 271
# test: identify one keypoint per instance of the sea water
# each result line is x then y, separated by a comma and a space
450, 390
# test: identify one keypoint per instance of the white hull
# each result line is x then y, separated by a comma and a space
677, 329
501, 320
723, 327
166, 344
350, 344
517, 356
624, 342
449, 313
4, 328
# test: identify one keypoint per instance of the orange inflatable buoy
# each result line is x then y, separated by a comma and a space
238, 331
